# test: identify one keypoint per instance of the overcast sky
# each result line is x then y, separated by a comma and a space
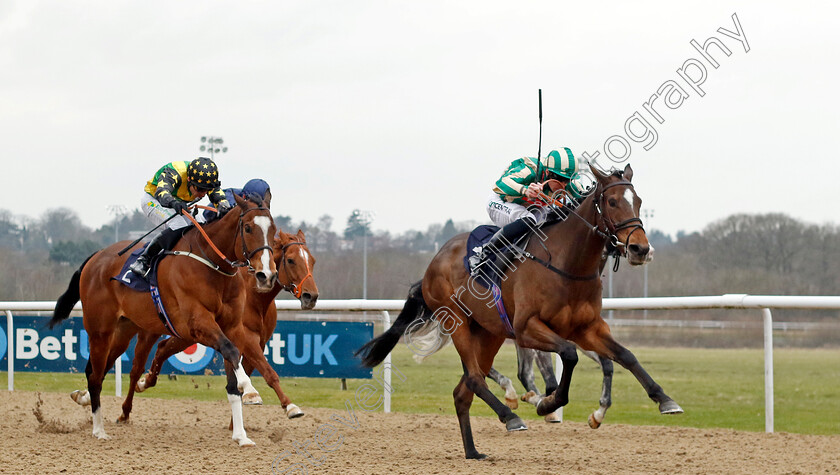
413, 109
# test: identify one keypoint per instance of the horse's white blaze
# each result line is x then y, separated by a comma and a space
629, 196
264, 222
238, 425
99, 425
305, 255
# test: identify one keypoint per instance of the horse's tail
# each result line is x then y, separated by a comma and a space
415, 311
64, 305
427, 339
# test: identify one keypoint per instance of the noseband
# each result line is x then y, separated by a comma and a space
295, 289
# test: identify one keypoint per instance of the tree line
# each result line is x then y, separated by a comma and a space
743, 253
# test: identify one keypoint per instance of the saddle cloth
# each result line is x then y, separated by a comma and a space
488, 277
135, 282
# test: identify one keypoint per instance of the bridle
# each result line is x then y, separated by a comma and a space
611, 229
295, 289
247, 254
609, 232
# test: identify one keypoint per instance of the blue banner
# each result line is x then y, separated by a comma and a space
296, 349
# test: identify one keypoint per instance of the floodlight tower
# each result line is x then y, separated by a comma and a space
213, 145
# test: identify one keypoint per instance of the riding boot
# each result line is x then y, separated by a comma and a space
162, 242
499, 242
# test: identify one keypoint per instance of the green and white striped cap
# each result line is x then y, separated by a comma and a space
563, 164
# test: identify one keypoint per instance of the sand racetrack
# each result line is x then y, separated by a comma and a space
179, 436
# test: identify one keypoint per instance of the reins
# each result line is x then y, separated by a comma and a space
245, 252
613, 245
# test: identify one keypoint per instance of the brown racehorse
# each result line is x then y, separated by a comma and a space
203, 297
294, 273
552, 293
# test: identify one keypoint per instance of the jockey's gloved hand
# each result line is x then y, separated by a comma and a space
223, 207
178, 206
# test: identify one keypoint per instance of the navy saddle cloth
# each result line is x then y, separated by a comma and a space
132, 280
477, 238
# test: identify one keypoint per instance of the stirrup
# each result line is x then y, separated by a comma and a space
140, 269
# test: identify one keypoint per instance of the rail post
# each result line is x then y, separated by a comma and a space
386, 368
10, 344
768, 370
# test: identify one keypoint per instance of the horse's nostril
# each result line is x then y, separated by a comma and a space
638, 250
306, 296
261, 277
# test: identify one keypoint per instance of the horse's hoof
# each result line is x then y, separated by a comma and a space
554, 417
81, 397
515, 424
141, 385
592, 422
101, 435
670, 407
293, 412
476, 456
531, 398
512, 403
122, 420
252, 399
245, 442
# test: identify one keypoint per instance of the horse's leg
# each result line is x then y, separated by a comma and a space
119, 342
525, 369
605, 402
206, 331
95, 371
477, 348
544, 364
506, 384
599, 339
145, 341
463, 400
538, 336
249, 343
165, 349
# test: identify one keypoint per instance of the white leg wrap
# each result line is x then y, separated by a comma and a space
99, 425
238, 424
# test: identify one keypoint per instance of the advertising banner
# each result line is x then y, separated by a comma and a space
296, 349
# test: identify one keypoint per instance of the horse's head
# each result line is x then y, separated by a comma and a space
255, 238
294, 268
619, 206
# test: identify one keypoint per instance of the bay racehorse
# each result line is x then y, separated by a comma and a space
295, 265
552, 291
201, 293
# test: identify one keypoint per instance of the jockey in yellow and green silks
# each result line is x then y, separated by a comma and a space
170, 190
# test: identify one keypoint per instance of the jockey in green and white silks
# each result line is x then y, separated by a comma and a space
523, 180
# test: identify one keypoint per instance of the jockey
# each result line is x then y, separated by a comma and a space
508, 205
168, 193
253, 187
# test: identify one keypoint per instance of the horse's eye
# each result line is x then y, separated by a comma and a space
247, 228
290, 261
612, 202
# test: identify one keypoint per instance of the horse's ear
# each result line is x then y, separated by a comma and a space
598, 174
240, 201
628, 173
267, 199
300, 235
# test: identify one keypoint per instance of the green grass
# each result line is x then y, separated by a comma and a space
716, 388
